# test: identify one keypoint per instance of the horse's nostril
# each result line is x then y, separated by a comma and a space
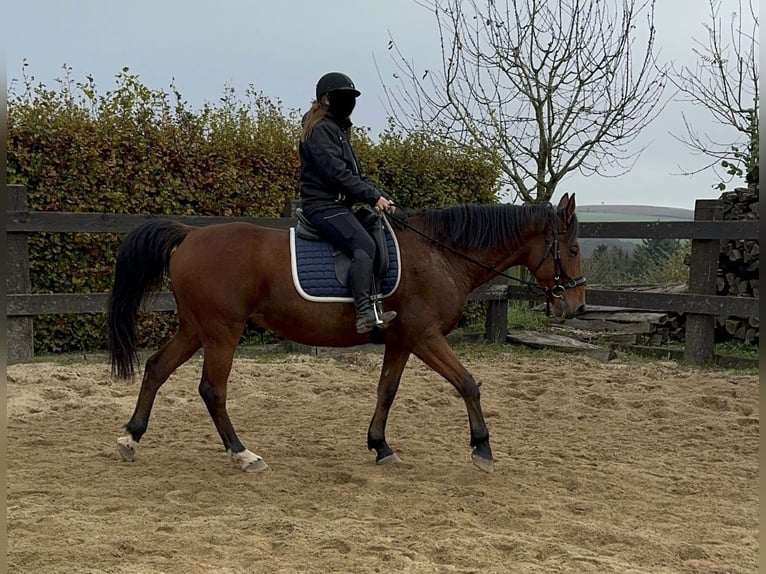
580, 309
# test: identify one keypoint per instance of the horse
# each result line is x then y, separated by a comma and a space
227, 275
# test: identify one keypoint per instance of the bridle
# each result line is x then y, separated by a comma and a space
562, 280
556, 291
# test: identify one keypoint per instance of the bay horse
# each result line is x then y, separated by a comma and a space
227, 275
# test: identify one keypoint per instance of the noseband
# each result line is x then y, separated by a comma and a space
562, 280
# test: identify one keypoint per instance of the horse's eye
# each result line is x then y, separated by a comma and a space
573, 251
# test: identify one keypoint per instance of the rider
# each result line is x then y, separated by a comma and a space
331, 183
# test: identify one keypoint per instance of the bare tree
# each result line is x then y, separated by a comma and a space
550, 87
724, 82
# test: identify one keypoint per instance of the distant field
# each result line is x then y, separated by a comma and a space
596, 217
596, 213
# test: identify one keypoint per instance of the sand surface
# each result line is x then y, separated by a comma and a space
624, 467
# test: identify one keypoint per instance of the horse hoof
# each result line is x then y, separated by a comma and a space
484, 464
257, 466
127, 452
392, 458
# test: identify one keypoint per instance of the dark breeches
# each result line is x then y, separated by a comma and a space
341, 227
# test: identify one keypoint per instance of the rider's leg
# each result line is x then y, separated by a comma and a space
341, 227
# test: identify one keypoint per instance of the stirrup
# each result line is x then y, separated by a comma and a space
382, 318
385, 318
365, 324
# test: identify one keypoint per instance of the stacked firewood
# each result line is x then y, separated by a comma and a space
630, 327
738, 264
738, 328
624, 326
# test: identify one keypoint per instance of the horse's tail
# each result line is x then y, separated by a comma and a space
141, 264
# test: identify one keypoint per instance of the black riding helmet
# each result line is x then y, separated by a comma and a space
335, 82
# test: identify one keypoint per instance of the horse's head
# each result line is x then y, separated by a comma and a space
555, 261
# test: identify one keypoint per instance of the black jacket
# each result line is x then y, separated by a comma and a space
330, 173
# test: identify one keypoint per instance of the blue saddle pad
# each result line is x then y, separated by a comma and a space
313, 269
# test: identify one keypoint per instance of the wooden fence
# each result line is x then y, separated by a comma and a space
700, 305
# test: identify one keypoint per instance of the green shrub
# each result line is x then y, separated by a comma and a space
422, 171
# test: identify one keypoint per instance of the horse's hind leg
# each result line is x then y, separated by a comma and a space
394, 361
212, 389
158, 368
435, 352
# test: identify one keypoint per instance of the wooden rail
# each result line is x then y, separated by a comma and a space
701, 304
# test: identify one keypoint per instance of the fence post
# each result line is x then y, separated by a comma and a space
291, 204
20, 338
496, 323
699, 346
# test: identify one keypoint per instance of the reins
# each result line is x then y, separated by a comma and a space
556, 291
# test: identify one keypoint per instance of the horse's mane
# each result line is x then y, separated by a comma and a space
486, 226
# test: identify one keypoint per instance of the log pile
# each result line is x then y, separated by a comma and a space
739, 262
738, 328
624, 326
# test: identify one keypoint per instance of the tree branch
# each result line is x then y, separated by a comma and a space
551, 87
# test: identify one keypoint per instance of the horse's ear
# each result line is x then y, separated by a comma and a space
567, 207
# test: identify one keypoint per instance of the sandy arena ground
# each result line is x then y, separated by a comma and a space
624, 467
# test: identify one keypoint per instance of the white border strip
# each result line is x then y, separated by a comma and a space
315, 299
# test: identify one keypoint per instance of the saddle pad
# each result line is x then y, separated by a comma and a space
313, 269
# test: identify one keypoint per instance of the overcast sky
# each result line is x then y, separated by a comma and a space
283, 47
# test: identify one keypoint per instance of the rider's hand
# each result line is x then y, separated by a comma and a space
385, 205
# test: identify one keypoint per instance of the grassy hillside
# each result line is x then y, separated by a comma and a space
632, 213
596, 213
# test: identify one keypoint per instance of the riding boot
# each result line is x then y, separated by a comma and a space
360, 280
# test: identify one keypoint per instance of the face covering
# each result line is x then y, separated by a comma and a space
341, 104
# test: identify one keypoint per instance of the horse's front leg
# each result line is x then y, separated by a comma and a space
394, 361
435, 352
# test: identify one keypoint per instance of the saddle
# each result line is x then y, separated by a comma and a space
320, 271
